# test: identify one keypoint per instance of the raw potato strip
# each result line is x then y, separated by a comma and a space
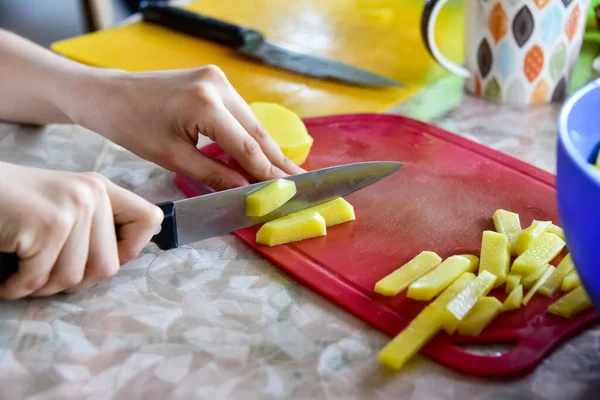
538, 284
570, 282
528, 235
287, 230
334, 212
474, 260
541, 251
557, 230
528, 280
432, 283
464, 301
399, 280
513, 300
512, 281
448, 322
495, 255
571, 303
565, 267
508, 223
270, 197
485, 311
408, 342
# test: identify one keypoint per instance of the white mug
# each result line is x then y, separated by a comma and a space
516, 51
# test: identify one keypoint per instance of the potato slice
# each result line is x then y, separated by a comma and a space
464, 301
570, 282
513, 300
408, 342
508, 223
571, 303
335, 211
557, 230
483, 312
553, 283
512, 281
541, 251
538, 284
287, 230
528, 235
269, 197
286, 128
529, 280
432, 283
399, 280
495, 255
474, 260
448, 323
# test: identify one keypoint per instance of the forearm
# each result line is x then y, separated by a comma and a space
36, 85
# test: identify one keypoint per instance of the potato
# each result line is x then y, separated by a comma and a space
565, 267
508, 223
335, 212
485, 311
539, 253
495, 255
432, 283
399, 280
291, 229
571, 303
513, 300
269, 197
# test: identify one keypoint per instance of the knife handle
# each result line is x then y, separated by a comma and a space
198, 25
165, 239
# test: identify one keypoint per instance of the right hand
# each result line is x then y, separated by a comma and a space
62, 227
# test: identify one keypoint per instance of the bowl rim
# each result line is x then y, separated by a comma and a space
591, 171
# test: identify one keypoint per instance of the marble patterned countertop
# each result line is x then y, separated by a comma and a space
216, 321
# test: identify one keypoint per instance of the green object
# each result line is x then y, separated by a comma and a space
492, 91
592, 22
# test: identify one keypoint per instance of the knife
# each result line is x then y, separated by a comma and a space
250, 42
191, 220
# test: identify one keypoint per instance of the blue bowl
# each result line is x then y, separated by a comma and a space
578, 183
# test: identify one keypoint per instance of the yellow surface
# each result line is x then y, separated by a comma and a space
335, 28
571, 303
270, 197
483, 312
528, 235
539, 253
571, 281
335, 211
508, 223
448, 323
513, 300
529, 280
408, 342
399, 280
287, 230
512, 281
557, 230
286, 128
432, 283
464, 301
553, 283
474, 260
495, 255
538, 284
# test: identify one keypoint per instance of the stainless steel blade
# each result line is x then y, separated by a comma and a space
287, 57
219, 213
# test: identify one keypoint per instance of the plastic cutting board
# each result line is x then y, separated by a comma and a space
441, 200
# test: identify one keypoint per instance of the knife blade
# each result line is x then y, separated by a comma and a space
252, 43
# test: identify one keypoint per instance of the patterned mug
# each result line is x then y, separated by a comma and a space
516, 51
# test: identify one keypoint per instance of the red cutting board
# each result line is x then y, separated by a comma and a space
441, 200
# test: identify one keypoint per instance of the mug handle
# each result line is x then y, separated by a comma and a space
428, 20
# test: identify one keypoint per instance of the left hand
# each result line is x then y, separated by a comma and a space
159, 115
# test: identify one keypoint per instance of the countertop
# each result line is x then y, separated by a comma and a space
216, 321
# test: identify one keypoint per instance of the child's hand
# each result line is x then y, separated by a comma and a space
62, 226
159, 116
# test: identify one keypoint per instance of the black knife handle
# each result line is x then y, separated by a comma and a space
165, 239
198, 25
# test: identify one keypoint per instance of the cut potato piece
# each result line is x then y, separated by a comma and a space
528, 235
286, 128
483, 312
450, 323
541, 251
512, 281
287, 230
571, 303
528, 280
495, 255
335, 211
538, 284
464, 301
553, 283
557, 230
474, 262
399, 280
269, 197
513, 300
432, 283
408, 342
508, 223
570, 282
